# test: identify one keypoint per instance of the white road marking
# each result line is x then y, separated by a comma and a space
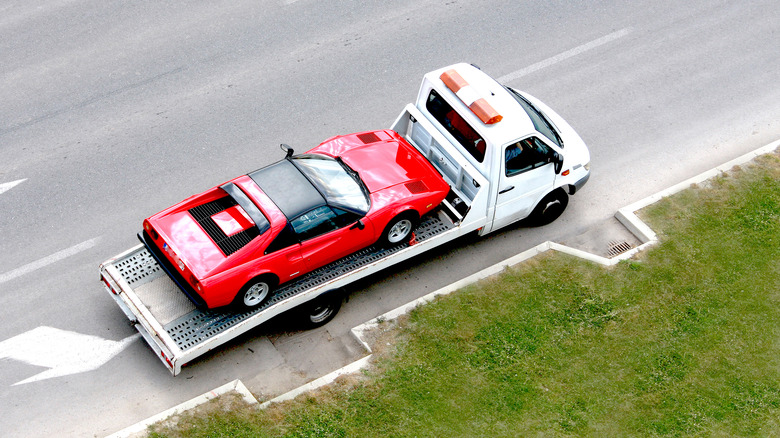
565, 55
57, 256
61, 351
9, 185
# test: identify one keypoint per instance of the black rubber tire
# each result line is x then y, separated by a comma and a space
255, 293
399, 230
549, 208
321, 310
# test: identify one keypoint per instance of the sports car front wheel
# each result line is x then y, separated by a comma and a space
399, 230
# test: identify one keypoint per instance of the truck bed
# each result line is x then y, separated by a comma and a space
178, 331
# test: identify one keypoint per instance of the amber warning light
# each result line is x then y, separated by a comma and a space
468, 95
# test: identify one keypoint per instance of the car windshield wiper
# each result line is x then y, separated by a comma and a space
355, 175
550, 125
554, 130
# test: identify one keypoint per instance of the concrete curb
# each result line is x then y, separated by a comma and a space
322, 381
625, 215
139, 427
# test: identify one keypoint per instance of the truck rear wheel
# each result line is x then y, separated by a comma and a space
321, 310
549, 208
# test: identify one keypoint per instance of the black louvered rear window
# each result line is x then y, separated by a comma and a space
228, 244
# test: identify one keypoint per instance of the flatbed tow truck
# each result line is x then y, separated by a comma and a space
506, 156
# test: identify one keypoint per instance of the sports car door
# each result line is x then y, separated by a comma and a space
328, 234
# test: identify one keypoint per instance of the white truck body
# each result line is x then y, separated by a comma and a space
487, 193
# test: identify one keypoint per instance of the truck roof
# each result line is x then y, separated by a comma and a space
514, 122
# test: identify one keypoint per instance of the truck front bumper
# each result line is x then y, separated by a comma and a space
579, 183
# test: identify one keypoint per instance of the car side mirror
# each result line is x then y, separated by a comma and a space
289, 150
557, 162
359, 225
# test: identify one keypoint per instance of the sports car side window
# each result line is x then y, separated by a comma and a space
315, 222
285, 238
344, 218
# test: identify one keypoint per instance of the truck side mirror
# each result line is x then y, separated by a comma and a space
557, 162
287, 149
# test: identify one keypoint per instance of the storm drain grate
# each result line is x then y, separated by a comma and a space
200, 324
618, 247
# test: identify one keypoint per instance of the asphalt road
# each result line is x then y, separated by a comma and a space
112, 111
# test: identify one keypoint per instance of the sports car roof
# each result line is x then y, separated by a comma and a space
288, 188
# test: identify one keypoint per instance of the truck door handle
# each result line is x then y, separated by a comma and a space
506, 190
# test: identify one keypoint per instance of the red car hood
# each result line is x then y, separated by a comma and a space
390, 158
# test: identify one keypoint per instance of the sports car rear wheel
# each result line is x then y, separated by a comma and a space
399, 230
255, 293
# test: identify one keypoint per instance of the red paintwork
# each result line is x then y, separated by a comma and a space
385, 167
233, 220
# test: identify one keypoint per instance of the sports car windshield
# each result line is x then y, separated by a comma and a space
337, 182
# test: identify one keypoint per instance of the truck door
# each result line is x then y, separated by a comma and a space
527, 174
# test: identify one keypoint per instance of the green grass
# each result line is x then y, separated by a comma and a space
683, 341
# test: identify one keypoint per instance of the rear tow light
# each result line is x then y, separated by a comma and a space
108, 285
165, 358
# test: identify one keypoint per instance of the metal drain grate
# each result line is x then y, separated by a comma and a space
618, 247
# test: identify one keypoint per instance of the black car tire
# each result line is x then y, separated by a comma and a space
399, 230
549, 208
321, 310
255, 293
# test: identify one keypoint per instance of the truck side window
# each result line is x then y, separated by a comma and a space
468, 138
525, 155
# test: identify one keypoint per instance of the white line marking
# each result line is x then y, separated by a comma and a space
565, 55
57, 256
62, 351
9, 185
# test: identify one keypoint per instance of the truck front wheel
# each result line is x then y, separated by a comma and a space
549, 208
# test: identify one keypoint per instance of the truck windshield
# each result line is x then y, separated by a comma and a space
540, 121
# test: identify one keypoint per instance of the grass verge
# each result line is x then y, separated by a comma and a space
682, 341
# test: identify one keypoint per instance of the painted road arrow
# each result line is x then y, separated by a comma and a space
9, 185
61, 351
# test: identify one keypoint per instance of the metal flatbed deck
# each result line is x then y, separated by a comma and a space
179, 331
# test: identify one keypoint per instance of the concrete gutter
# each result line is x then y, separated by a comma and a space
625, 215
139, 429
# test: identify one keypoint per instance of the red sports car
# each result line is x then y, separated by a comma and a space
235, 243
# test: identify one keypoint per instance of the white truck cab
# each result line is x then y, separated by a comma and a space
530, 158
